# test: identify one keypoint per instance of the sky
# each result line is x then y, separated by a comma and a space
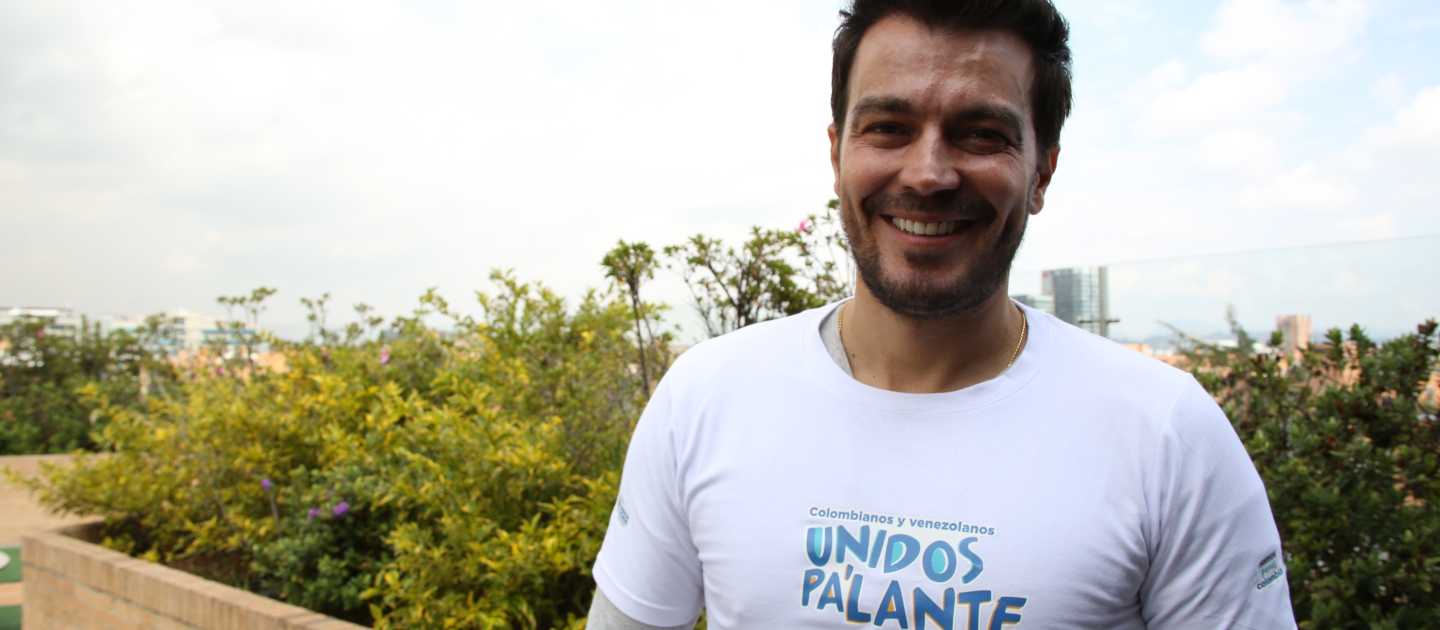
1386, 286
155, 154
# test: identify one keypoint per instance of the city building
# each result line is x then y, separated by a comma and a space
1081, 296
1042, 303
63, 319
184, 330
1296, 329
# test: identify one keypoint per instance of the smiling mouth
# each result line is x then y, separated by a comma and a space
937, 228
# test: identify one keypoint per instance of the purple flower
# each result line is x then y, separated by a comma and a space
265, 483
310, 516
384, 356
341, 508
219, 371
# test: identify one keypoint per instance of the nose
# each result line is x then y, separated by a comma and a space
930, 166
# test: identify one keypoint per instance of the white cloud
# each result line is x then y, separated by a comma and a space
1265, 48
1369, 227
1305, 187
1240, 152
1284, 34
1416, 127
1221, 282
182, 261
1229, 96
1168, 75
1389, 91
1398, 158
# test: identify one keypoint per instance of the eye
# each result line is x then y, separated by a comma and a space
885, 134
984, 141
885, 129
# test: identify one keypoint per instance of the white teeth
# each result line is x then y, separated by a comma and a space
926, 229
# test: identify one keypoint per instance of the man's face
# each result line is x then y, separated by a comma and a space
937, 166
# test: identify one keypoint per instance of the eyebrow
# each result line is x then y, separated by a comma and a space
872, 105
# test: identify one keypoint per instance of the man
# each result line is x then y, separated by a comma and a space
930, 453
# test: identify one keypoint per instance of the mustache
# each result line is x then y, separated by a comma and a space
945, 202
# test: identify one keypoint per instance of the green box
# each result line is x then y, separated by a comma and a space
9, 618
11, 572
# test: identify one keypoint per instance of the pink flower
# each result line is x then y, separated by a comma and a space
805, 226
40, 334
384, 356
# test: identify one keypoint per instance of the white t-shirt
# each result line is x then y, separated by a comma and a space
1088, 486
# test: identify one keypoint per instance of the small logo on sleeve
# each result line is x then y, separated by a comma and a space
1270, 571
620, 511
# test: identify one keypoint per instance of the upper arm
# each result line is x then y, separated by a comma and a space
648, 565
1214, 546
605, 616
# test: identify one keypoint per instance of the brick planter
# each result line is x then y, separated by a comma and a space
73, 584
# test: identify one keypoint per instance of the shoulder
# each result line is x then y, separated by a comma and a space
767, 345
1103, 365
1120, 389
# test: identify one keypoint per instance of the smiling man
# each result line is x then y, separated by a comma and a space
930, 453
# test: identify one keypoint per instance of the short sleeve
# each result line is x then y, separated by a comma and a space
1215, 557
648, 565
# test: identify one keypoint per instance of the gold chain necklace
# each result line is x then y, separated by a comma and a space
1024, 329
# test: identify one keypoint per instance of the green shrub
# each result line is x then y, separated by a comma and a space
1351, 460
42, 372
417, 480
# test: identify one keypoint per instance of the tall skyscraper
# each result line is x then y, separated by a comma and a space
1042, 303
1082, 297
1296, 329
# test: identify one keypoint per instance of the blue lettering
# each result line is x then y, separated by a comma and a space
1002, 616
926, 607
831, 594
818, 542
875, 552
939, 563
976, 564
844, 541
904, 549
892, 606
854, 614
973, 599
812, 582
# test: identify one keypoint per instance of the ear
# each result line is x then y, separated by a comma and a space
835, 155
1044, 171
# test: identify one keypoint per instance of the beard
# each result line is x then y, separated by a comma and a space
926, 296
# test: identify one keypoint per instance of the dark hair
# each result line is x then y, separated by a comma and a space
1035, 21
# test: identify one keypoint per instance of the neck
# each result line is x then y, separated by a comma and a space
903, 354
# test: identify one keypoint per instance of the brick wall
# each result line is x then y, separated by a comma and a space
73, 584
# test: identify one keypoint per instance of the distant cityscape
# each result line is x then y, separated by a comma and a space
185, 331
1080, 296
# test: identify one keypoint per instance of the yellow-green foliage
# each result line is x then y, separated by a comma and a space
427, 479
